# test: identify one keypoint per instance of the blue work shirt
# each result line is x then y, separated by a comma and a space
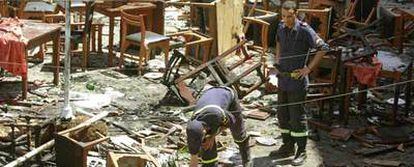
210, 117
218, 96
294, 45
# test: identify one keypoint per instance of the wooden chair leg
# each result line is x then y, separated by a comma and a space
146, 58
124, 47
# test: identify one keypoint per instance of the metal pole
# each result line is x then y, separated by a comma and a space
67, 114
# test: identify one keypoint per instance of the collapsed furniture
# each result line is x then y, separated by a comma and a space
360, 13
71, 152
403, 21
324, 81
81, 32
222, 74
319, 20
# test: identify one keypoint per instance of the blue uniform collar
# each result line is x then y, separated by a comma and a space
295, 27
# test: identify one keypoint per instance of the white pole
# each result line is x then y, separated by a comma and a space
67, 113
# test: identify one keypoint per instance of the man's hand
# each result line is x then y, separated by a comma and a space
303, 72
194, 161
208, 143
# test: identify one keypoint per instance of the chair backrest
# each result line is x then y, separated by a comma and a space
131, 19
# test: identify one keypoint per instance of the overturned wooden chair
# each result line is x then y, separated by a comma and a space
196, 45
359, 14
222, 74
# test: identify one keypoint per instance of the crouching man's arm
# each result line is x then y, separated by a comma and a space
194, 160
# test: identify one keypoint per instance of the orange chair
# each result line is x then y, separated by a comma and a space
146, 40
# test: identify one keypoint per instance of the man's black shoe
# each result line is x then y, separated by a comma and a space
286, 150
299, 159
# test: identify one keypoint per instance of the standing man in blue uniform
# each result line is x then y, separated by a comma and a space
293, 41
217, 109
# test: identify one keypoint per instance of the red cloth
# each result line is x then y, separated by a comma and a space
367, 73
12, 47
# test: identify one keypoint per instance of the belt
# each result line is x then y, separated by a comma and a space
293, 75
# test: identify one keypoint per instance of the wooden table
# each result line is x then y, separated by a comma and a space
405, 16
39, 33
393, 67
112, 12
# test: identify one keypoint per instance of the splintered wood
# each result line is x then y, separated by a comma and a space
258, 114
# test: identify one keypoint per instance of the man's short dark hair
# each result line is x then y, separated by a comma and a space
288, 5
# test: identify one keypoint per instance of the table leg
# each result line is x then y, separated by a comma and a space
111, 40
408, 89
348, 84
93, 38
342, 86
24, 79
24, 86
56, 58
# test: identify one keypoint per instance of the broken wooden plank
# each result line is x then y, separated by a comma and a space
159, 129
319, 125
42, 95
122, 127
374, 151
186, 93
382, 162
340, 134
257, 114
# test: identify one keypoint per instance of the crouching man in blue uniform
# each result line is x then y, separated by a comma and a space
293, 42
217, 109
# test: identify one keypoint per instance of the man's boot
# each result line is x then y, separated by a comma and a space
245, 152
300, 156
287, 149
